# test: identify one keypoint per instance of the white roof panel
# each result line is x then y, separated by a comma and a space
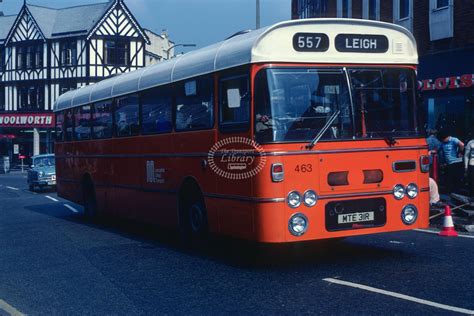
271, 44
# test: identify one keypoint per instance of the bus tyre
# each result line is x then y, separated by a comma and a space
194, 228
90, 202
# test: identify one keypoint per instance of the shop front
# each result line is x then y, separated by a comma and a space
446, 81
25, 135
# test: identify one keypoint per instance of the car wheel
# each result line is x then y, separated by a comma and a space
31, 187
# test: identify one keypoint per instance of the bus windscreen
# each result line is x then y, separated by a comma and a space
294, 104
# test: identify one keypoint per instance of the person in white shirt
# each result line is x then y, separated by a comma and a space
469, 165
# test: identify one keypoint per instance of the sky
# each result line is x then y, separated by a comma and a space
200, 22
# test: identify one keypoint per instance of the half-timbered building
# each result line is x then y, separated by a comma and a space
45, 52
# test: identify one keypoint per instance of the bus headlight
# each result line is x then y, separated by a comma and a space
398, 191
294, 199
298, 224
409, 214
412, 190
310, 198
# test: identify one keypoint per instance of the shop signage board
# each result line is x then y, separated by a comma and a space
16, 149
29, 120
452, 82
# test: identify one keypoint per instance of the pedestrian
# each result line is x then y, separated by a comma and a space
433, 146
469, 165
434, 193
450, 153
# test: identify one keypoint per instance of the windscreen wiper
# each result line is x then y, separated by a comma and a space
323, 130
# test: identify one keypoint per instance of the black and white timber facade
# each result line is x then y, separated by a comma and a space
45, 52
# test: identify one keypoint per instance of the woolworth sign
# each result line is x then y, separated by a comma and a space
27, 120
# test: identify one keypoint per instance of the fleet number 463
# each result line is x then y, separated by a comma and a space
303, 168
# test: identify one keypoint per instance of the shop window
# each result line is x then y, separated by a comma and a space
2, 59
404, 9
67, 86
2, 98
126, 116
441, 4
371, 9
82, 122
194, 106
234, 104
102, 119
156, 110
39, 56
30, 98
30, 57
344, 8
68, 53
20, 56
441, 19
116, 53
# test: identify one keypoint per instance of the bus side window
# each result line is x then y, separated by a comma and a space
102, 120
60, 126
156, 110
234, 107
69, 124
82, 118
194, 104
126, 116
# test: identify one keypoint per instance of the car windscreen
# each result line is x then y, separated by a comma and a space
43, 161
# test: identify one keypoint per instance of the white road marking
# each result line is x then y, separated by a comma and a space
401, 296
71, 208
12, 188
395, 242
51, 198
9, 309
429, 231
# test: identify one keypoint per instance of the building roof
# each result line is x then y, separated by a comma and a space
270, 44
6, 23
59, 22
56, 23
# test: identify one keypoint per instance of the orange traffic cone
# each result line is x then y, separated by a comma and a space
448, 226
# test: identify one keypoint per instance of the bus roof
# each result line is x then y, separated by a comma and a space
270, 44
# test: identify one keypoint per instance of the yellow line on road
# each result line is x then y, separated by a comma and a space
4, 306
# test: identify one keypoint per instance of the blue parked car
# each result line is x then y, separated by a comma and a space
42, 172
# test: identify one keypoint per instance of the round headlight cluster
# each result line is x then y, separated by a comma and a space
40, 174
309, 198
298, 224
409, 214
294, 199
412, 190
399, 191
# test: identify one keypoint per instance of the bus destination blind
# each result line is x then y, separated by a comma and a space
361, 43
310, 42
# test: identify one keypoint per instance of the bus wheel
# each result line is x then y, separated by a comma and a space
194, 227
90, 202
